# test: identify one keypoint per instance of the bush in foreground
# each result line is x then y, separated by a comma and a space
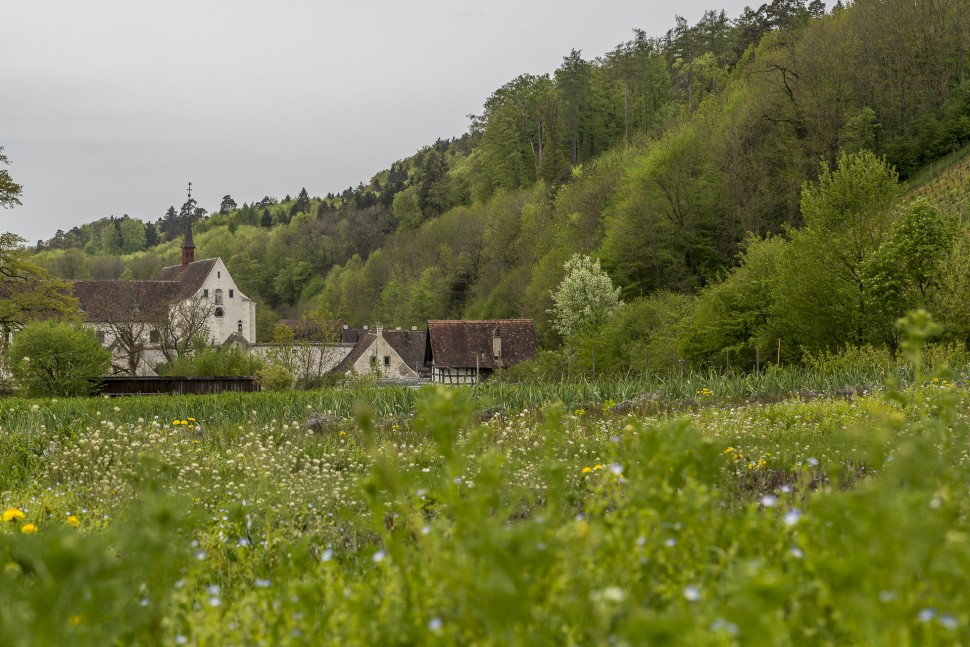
57, 359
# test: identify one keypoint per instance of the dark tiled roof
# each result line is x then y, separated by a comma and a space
409, 344
364, 340
103, 301
237, 339
190, 280
455, 344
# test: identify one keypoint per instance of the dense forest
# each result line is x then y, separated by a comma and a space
742, 180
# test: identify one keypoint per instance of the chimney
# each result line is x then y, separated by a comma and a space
188, 247
414, 327
397, 328
380, 330
365, 327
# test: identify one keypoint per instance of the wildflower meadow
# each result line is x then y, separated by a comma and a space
603, 513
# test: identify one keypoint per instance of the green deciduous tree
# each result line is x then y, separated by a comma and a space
26, 291
909, 268
731, 315
821, 301
9, 190
309, 351
52, 358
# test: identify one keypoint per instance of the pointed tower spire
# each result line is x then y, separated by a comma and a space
188, 246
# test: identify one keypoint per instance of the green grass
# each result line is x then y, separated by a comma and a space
784, 508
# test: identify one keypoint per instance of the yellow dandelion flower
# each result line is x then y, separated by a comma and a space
184, 422
597, 467
936, 379
191, 426
28, 528
587, 470
72, 520
75, 620
190, 420
176, 422
13, 514
729, 450
343, 433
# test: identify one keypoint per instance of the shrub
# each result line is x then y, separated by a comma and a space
213, 362
51, 358
275, 376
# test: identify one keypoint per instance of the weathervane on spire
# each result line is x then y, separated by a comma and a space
190, 192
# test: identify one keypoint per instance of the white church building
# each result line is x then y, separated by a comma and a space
138, 306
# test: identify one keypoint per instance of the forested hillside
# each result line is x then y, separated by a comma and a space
666, 158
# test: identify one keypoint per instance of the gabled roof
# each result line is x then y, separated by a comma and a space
103, 301
456, 344
237, 339
408, 344
190, 279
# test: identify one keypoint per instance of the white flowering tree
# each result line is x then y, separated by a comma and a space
585, 299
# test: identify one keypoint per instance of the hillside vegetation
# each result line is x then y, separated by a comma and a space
683, 161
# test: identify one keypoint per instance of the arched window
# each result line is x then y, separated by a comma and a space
218, 296
219, 312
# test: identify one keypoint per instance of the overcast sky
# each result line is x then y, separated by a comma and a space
112, 107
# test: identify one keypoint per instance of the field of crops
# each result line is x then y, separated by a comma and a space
782, 509
946, 184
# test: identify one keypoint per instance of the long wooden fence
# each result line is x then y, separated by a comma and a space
154, 385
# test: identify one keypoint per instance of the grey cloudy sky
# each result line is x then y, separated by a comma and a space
111, 106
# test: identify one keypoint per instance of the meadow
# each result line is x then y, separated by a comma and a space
810, 506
